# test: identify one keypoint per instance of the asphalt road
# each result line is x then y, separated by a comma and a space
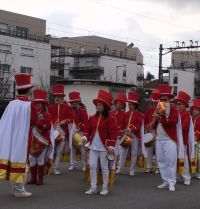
66, 191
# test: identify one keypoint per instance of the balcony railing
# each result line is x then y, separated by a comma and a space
57, 65
14, 33
97, 70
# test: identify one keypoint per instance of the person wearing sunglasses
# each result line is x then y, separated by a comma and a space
182, 101
169, 140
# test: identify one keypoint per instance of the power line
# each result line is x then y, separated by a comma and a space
142, 15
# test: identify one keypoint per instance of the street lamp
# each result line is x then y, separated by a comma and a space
117, 68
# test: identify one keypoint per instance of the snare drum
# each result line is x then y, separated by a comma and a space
77, 140
110, 156
125, 141
59, 134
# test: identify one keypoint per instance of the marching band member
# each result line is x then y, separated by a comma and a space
61, 115
132, 125
80, 118
188, 135
148, 120
119, 113
168, 139
195, 109
100, 132
40, 138
15, 124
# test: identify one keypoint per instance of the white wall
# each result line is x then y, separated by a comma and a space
88, 93
113, 69
185, 81
39, 61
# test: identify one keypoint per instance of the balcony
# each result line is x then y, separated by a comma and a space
57, 66
14, 33
86, 72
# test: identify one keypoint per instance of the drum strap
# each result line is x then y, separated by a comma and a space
39, 137
129, 120
98, 124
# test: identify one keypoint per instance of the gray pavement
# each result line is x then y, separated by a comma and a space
67, 192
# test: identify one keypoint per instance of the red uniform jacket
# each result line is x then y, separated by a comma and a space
61, 112
43, 125
80, 118
106, 128
169, 124
134, 122
196, 122
148, 117
119, 117
185, 122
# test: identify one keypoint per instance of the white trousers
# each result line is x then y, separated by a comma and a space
73, 154
167, 160
40, 160
134, 154
59, 151
149, 151
94, 157
186, 174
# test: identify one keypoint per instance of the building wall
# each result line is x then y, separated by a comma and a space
185, 81
114, 67
25, 53
35, 25
89, 92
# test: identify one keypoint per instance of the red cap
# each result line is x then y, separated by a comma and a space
165, 90
154, 95
23, 81
104, 97
121, 97
75, 96
40, 95
183, 97
58, 90
195, 104
133, 97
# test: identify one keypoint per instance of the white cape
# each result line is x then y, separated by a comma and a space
14, 134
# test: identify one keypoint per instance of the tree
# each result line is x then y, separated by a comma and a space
149, 76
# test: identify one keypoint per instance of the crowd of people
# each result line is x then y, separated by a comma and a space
165, 139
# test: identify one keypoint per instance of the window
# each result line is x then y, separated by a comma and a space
3, 28
175, 90
26, 70
98, 50
5, 68
114, 52
26, 52
175, 79
121, 53
21, 32
124, 73
5, 48
82, 50
70, 50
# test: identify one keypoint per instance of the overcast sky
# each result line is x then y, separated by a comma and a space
146, 23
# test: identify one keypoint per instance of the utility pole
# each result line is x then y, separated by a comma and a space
171, 49
160, 63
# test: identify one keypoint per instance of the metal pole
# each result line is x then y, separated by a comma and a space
160, 63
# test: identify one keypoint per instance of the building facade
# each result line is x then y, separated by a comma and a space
24, 48
97, 58
185, 72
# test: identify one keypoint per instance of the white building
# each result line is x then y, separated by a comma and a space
185, 72
96, 58
22, 51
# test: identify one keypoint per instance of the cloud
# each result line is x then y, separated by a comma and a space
179, 4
